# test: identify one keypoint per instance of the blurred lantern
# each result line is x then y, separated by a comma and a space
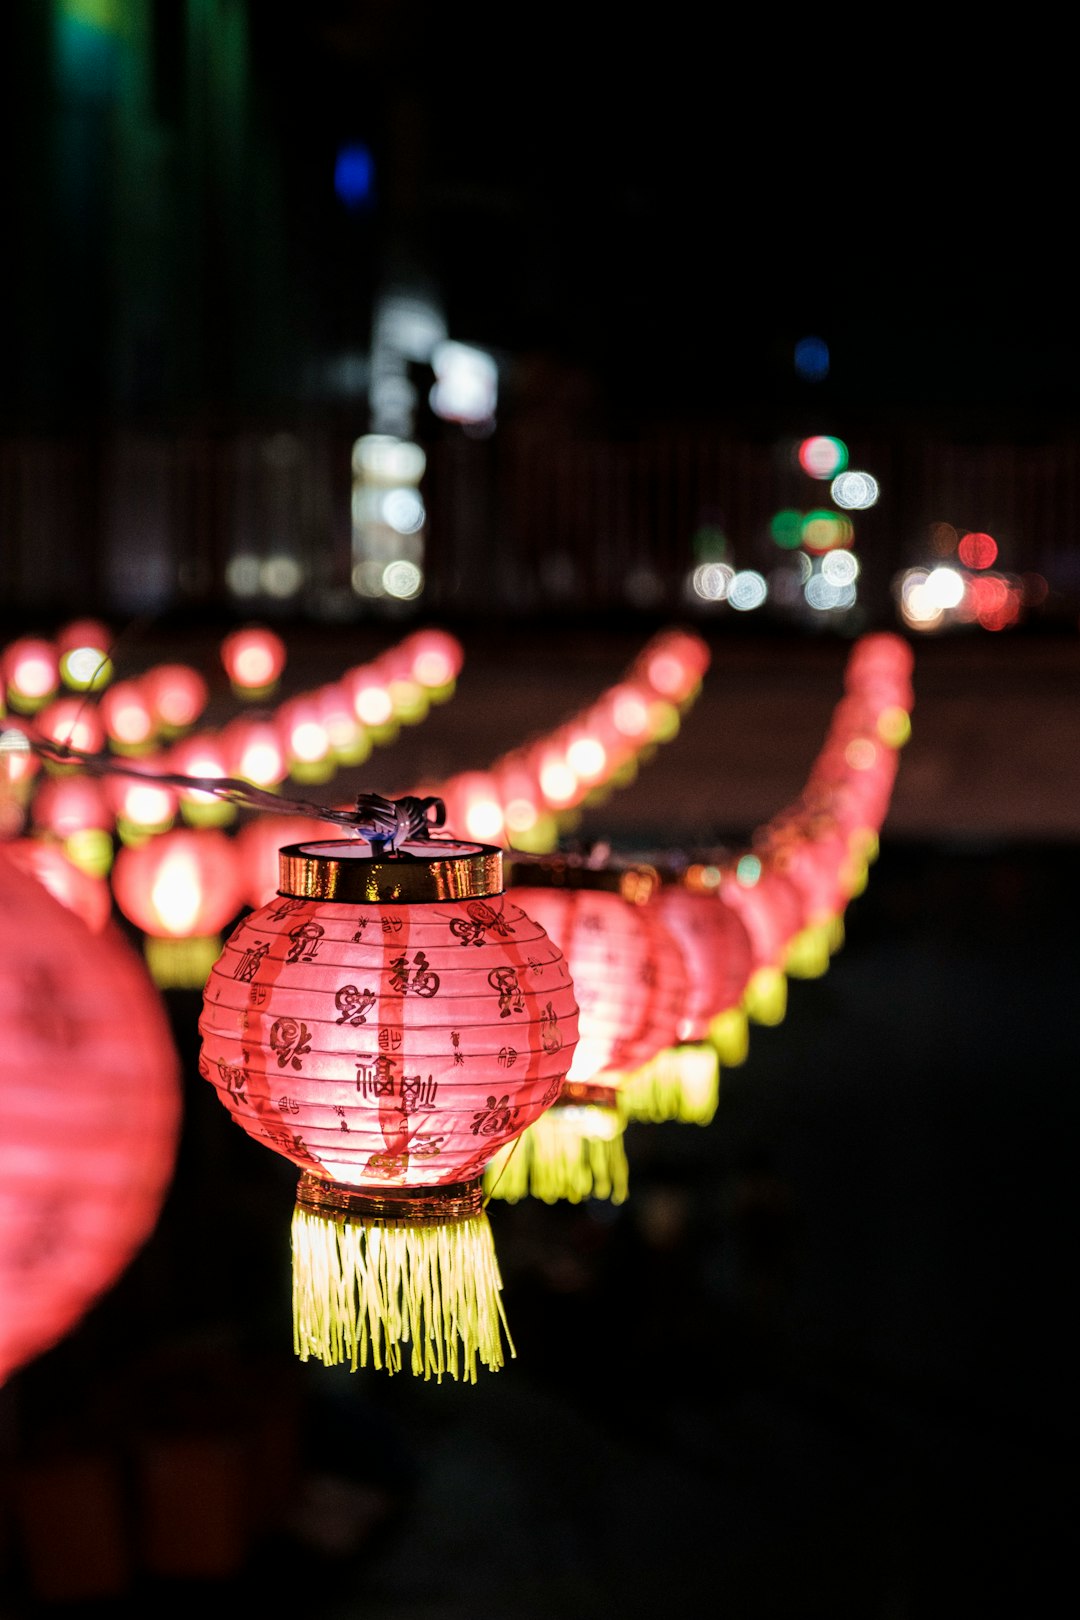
308, 754
474, 807
89, 1114
816, 857
529, 825
180, 890
435, 658
76, 810
88, 897
201, 755
409, 700
350, 743
365, 687
258, 844
673, 665
770, 908
177, 695
254, 751
387, 1023
629, 980
70, 722
253, 658
682, 1081
31, 673
128, 719
83, 651
143, 805
19, 766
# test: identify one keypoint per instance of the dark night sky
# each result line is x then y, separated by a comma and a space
672, 202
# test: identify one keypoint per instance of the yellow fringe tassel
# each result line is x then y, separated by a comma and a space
181, 964
808, 954
680, 1083
365, 1291
765, 998
729, 1033
569, 1153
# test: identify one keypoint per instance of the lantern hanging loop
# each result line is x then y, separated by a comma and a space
386, 824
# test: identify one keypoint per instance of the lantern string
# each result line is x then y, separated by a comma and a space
385, 823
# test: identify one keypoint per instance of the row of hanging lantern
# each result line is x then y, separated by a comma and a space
421, 1028
151, 720
531, 797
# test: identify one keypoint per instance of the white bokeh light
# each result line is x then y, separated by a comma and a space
747, 590
854, 491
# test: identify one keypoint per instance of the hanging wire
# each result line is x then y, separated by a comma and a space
385, 823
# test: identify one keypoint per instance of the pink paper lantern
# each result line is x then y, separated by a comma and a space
682, 1080
386, 1023
201, 754
177, 695
180, 889
254, 658
89, 1115
771, 909
30, 669
629, 979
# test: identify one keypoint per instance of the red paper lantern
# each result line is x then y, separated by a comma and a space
71, 722
254, 658
387, 1022
435, 659
254, 751
682, 1080
128, 718
177, 695
180, 889
76, 810
629, 979
31, 673
89, 1114
83, 647
770, 908
203, 755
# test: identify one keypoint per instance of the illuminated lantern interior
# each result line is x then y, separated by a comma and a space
254, 659
180, 889
83, 650
388, 1041
89, 1114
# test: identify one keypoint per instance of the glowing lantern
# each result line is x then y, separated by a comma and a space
770, 908
253, 658
529, 825
19, 765
816, 857
128, 718
31, 673
349, 741
435, 658
682, 1080
88, 897
254, 752
83, 650
365, 687
474, 807
672, 665
306, 740
89, 1115
387, 1023
143, 805
180, 890
71, 722
201, 755
76, 810
176, 695
629, 979
408, 698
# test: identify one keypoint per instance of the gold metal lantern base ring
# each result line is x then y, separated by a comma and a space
396, 1275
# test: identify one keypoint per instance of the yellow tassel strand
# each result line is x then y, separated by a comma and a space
680, 1083
570, 1153
809, 952
765, 999
729, 1033
366, 1290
